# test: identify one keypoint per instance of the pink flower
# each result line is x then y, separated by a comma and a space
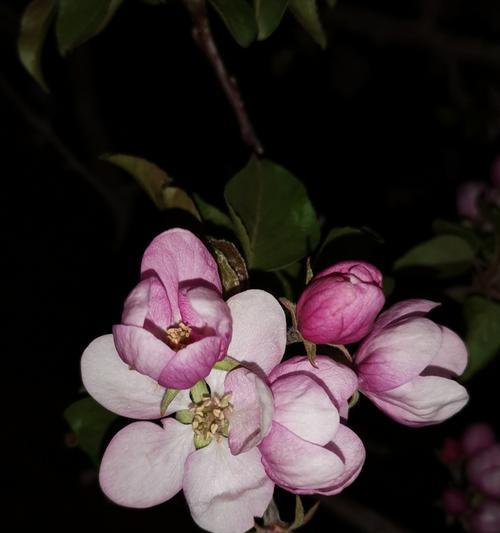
307, 449
454, 501
486, 519
145, 464
175, 324
451, 451
341, 303
405, 365
476, 437
468, 196
483, 471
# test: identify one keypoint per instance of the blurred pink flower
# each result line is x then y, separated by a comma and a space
340, 303
406, 363
486, 519
476, 437
483, 471
451, 451
468, 196
454, 501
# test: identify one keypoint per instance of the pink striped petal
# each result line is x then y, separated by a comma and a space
451, 357
144, 463
405, 309
259, 330
224, 491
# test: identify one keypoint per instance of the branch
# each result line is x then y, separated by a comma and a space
203, 37
420, 32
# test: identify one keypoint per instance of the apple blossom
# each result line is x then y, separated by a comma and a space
476, 437
486, 518
468, 196
340, 303
406, 363
483, 471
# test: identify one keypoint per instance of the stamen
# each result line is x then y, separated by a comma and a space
178, 336
210, 419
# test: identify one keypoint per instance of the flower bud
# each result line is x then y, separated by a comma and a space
451, 451
340, 304
468, 196
483, 471
477, 437
454, 501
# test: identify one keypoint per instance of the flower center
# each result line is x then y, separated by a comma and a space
178, 336
210, 417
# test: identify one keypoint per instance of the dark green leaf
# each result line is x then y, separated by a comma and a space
272, 215
268, 14
444, 227
239, 19
80, 20
89, 421
482, 317
211, 214
306, 12
176, 198
35, 24
447, 255
232, 267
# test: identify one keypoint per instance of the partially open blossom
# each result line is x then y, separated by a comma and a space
454, 501
308, 450
477, 437
340, 303
468, 197
406, 365
486, 518
483, 471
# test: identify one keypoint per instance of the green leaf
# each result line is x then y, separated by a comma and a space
211, 214
482, 317
90, 422
444, 227
35, 23
306, 12
239, 19
169, 395
80, 20
176, 198
232, 267
149, 176
268, 14
272, 214
447, 255
199, 391
227, 364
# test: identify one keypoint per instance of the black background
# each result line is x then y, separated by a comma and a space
381, 129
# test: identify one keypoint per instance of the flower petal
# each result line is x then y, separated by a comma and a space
338, 380
177, 255
192, 363
144, 463
121, 390
483, 471
423, 401
297, 465
393, 356
253, 411
304, 408
224, 491
215, 380
350, 448
259, 329
405, 309
451, 359
141, 350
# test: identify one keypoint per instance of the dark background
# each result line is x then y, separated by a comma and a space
382, 126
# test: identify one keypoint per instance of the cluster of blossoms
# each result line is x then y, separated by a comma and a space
474, 463
235, 418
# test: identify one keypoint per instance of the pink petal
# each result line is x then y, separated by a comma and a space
405, 309
253, 406
303, 407
192, 363
148, 302
215, 380
141, 350
224, 491
476, 437
177, 255
451, 357
349, 447
298, 465
395, 355
144, 463
423, 401
338, 380
259, 329
121, 390
483, 471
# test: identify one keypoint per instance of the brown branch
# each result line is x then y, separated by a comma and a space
203, 37
419, 32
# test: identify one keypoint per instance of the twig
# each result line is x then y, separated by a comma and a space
203, 37
419, 32
362, 518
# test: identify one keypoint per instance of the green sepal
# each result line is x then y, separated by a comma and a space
199, 391
169, 395
201, 442
227, 364
185, 416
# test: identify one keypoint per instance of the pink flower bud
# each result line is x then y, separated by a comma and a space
476, 437
451, 452
340, 304
468, 199
483, 471
405, 365
486, 519
454, 501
